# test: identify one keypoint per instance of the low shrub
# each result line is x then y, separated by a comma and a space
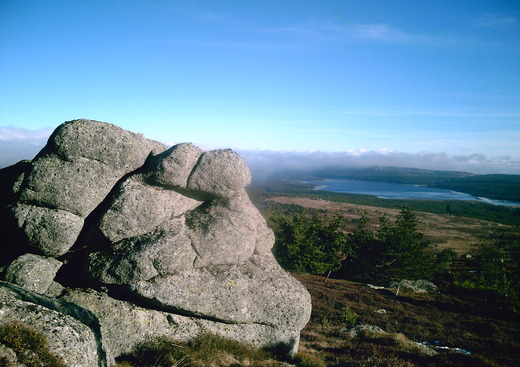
347, 316
303, 359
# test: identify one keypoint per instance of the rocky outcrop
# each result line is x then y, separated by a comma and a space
170, 234
375, 333
125, 324
71, 176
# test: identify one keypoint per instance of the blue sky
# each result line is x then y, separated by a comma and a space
406, 79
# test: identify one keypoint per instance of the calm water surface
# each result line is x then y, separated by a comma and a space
390, 190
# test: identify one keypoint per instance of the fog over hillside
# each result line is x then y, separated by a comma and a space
17, 144
265, 163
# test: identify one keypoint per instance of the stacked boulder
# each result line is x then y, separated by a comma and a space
151, 241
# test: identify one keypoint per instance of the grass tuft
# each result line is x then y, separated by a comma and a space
303, 359
30, 346
205, 351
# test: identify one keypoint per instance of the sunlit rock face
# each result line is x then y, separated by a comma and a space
167, 230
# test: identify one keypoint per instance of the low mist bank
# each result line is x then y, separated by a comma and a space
17, 144
266, 164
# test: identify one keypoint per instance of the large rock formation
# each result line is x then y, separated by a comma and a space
170, 234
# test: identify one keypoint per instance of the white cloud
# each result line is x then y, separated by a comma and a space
495, 21
212, 17
378, 112
380, 32
16, 133
349, 32
17, 143
265, 163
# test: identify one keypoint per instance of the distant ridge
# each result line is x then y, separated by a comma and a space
495, 186
404, 175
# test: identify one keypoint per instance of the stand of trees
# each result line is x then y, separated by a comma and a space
394, 250
309, 243
496, 265
316, 244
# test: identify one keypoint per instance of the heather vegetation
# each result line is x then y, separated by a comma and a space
450, 328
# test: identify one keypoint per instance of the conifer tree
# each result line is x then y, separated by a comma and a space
393, 252
309, 243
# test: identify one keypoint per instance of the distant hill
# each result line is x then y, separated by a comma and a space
413, 176
502, 187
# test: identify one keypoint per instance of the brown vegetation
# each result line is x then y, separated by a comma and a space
208, 351
474, 322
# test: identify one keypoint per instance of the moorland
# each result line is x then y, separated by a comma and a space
469, 323
464, 323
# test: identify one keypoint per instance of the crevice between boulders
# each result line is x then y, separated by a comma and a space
82, 315
122, 293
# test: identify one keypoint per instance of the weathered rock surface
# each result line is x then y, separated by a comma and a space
244, 293
9, 357
137, 208
51, 232
125, 324
219, 172
171, 233
69, 178
173, 167
32, 272
66, 326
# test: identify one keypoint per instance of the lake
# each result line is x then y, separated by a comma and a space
391, 190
